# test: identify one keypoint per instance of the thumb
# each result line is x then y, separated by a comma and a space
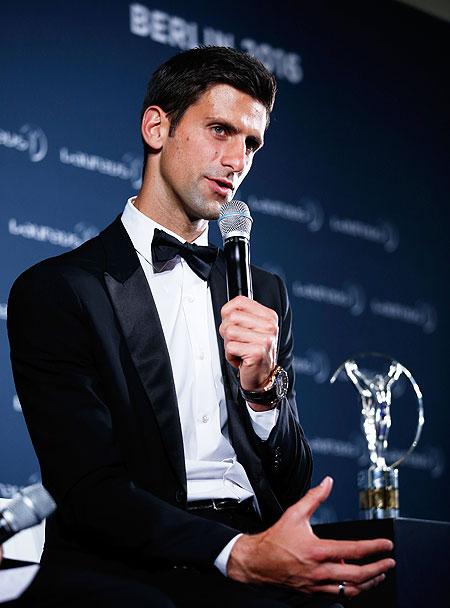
315, 497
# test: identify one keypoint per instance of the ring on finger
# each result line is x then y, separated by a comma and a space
341, 589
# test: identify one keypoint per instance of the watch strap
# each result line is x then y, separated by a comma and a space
271, 395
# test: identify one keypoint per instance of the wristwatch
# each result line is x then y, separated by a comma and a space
275, 390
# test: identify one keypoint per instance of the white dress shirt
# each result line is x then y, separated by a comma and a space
185, 309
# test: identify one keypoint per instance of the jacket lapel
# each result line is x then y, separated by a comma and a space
218, 286
138, 317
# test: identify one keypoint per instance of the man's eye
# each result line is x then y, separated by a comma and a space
219, 130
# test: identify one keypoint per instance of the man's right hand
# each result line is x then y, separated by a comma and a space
291, 555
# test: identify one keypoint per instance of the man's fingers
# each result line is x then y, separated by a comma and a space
355, 574
334, 550
247, 305
370, 584
248, 336
333, 589
312, 500
243, 319
251, 352
350, 590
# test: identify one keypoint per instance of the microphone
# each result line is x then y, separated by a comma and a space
27, 508
235, 223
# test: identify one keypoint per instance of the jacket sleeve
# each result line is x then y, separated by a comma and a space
71, 428
286, 455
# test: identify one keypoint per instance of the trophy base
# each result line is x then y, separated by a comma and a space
378, 493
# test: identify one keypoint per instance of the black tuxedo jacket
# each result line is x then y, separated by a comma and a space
94, 378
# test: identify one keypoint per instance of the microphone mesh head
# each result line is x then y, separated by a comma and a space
29, 507
235, 219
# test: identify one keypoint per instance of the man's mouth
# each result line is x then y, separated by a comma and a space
221, 185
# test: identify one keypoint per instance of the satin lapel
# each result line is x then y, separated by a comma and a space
218, 286
236, 415
136, 310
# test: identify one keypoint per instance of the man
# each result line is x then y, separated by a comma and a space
156, 408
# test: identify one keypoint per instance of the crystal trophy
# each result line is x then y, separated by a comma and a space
378, 485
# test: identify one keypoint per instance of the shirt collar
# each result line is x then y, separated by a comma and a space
140, 229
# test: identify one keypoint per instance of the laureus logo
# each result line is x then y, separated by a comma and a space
128, 168
307, 211
391, 238
428, 316
313, 363
29, 138
55, 236
135, 166
314, 214
356, 299
422, 314
350, 296
383, 233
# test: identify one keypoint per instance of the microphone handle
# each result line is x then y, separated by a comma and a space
237, 256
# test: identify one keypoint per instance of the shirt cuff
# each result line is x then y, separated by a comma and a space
263, 422
222, 559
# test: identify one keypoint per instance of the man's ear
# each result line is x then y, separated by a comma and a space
155, 127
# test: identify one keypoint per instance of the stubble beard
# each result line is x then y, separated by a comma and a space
202, 208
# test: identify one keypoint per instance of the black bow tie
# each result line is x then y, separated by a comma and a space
165, 247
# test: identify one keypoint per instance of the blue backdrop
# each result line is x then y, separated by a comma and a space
349, 196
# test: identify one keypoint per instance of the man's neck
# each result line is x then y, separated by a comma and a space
150, 205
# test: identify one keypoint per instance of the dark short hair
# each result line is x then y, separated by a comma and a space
179, 82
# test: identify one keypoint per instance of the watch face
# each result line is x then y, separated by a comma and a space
282, 383
274, 394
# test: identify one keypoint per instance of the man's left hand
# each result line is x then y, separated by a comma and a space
250, 334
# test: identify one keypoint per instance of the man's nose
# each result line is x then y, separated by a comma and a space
235, 156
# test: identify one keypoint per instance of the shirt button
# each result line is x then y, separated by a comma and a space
205, 419
201, 355
190, 299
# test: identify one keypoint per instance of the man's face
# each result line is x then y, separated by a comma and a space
211, 151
